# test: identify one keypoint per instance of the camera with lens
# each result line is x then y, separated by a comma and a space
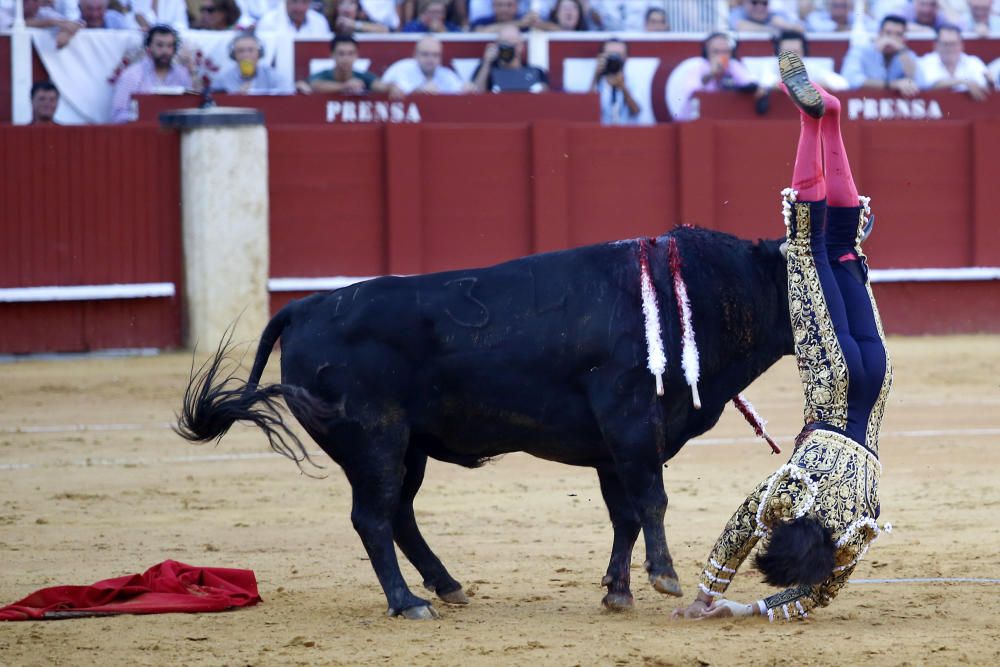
505, 52
613, 64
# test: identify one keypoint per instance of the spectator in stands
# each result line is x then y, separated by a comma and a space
717, 69
217, 15
479, 9
347, 18
622, 15
68, 8
886, 64
343, 78
147, 13
656, 20
618, 106
44, 101
384, 12
456, 11
157, 69
948, 66
757, 16
298, 17
432, 18
38, 16
254, 10
566, 16
95, 14
503, 69
505, 12
247, 74
837, 16
922, 16
424, 73
981, 19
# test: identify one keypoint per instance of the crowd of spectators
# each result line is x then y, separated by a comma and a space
883, 61
329, 17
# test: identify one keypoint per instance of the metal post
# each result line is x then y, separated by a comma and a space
224, 218
20, 68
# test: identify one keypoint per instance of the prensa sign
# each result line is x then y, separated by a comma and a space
371, 111
893, 108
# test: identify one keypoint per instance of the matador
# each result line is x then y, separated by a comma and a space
815, 517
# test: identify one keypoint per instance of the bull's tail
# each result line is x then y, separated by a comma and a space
215, 399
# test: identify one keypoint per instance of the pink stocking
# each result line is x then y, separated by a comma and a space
808, 175
839, 181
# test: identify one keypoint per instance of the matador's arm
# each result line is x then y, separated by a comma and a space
732, 547
798, 601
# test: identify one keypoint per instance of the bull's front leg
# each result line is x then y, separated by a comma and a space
643, 481
659, 564
625, 523
642, 477
628, 414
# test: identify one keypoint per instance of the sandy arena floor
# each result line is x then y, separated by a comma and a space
84, 498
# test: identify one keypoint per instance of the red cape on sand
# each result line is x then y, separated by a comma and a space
164, 588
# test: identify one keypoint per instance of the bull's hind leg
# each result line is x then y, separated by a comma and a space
374, 466
412, 543
625, 522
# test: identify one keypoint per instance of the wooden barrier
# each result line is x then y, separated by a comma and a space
91, 206
457, 196
97, 206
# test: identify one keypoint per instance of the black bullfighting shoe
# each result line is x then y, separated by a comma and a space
800, 89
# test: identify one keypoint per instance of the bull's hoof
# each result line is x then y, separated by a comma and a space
456, 596
666, 585
618, 602
423, 612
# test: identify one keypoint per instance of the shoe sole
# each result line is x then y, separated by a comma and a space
800, 89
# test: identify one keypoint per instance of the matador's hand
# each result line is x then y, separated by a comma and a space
696, 609
723, 608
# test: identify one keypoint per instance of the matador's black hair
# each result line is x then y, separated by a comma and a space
801, 552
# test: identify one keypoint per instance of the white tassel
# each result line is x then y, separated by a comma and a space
689, 351
657, 357
689, 359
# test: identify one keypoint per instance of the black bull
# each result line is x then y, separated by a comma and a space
545, 354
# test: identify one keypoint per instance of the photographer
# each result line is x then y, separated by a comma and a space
618, 106
502, 68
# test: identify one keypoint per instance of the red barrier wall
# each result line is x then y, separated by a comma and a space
457, 196
89, 206
100, 205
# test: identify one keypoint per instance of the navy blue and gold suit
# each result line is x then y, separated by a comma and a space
833, 473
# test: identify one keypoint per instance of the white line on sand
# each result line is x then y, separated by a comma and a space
156, 426
215, 458
927, 580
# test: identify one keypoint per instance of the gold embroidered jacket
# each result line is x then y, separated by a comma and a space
828, 475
